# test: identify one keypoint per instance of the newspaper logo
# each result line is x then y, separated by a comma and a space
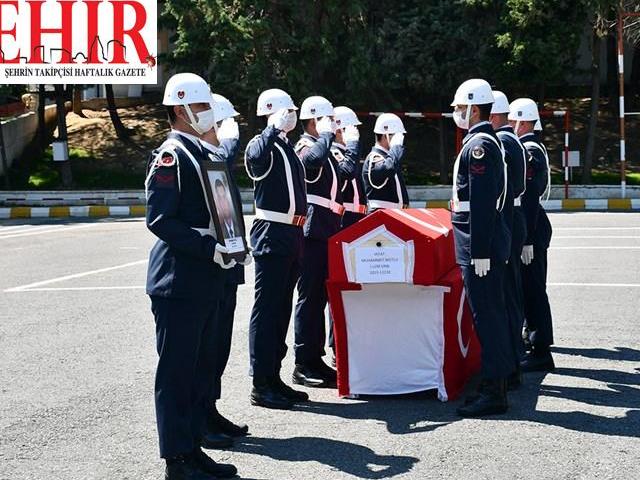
78, 41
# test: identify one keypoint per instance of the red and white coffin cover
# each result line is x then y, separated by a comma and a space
401, 322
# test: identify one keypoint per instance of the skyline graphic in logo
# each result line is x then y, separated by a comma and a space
63, 41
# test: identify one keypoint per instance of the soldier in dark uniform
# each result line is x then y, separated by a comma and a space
382, 169
185, 278
222, 144
516, 159
482, 242
324, 176
346, 147
277, 240
524, 115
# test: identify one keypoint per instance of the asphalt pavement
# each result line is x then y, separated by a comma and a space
77, 363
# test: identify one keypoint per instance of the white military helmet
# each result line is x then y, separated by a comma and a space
500, 103
222, 108
272, 100
345, 117
538, 126
473, 92
315, 107
186, 88
524, 110
389, 123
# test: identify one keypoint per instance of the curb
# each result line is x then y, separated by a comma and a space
103, 211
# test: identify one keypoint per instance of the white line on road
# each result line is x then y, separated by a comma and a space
597, 236
555, 229
77, 289
612, 247
626, 285
50, 230
75, 275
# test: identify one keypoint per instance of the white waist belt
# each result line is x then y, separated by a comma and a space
335, 207
517, 202
373, 204
460, 207
279, 217
355, 208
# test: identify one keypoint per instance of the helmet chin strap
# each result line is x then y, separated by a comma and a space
193, 122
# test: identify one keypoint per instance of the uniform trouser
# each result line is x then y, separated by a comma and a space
186, 343
513, 297
224, 332
276, 277
537, 310
310, 333
486, 299
349, 218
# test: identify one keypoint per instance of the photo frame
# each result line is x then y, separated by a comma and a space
226, 210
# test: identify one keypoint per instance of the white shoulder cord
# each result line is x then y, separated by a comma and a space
196, 165
305, 170
386, 180
246, 165
524, 154
547, 190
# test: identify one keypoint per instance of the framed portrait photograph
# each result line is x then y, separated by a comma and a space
226, 210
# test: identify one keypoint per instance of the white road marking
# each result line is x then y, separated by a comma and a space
555, 229
75, 275
612, 247
596, 236
77, 289
50, 230
625, 285
27, 229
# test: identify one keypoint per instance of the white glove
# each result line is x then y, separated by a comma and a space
351, 134
247, 260
219, 259
527, 254
325, 125
483, 265
228, 130
397, 139
279, 119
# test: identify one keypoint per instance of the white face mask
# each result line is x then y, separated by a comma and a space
461, 118
292, 119
203, 121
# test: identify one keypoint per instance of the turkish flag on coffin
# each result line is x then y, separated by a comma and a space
428, 229
409, 333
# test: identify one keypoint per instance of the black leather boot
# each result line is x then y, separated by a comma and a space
265, 394
220, 424
309, 376
491, 401
185, 467
538, 360
288, 392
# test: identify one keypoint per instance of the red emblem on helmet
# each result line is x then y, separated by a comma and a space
180, 94
269, 106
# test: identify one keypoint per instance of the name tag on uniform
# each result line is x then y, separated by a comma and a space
380, 265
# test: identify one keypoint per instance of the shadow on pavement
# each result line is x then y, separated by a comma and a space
357, 460
423, 413
619, 353
401, 413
